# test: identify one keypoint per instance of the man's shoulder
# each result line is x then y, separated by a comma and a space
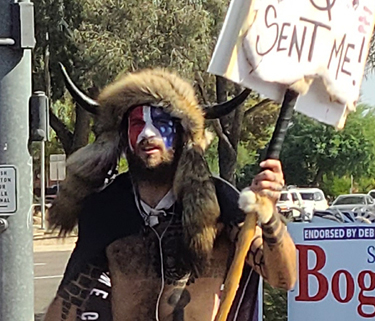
223, 185
112, 207
120, 184
227, 196
116, 191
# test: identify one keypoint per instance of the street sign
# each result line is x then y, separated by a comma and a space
57, 167
8, 189
336, 278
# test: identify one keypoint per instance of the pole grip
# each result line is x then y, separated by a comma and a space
286, 113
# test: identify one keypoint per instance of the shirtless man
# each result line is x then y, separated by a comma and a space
156, 242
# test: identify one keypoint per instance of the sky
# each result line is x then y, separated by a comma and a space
368, 90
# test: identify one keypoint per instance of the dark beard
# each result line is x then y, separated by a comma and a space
140, 172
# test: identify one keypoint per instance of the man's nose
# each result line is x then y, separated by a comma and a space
149, 131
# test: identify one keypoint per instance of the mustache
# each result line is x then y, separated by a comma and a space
152, 142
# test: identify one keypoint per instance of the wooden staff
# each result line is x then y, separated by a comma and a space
248, 229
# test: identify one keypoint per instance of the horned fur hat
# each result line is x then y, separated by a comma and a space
88, 167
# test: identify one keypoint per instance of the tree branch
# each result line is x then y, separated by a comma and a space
65, 136
199, 82
259, 105
81, 129
224, 138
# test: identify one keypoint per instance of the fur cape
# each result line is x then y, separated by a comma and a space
88, 167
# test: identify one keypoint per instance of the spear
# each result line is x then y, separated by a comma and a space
248, 229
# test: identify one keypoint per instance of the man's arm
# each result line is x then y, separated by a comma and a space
273, 255
272, 252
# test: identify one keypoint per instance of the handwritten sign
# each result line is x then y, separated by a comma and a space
336, 278
317, 47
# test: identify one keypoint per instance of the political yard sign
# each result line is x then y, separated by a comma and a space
316, 47
336, 272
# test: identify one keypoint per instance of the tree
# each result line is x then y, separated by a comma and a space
55, 23
312, 150
100, 40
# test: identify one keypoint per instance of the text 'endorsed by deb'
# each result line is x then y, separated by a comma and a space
339, 233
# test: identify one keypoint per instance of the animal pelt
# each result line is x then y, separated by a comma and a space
86, 171
88, 167
151, 86
194, 188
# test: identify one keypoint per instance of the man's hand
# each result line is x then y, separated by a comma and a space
270, 181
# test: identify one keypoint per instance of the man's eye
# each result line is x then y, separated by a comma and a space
164, 122
137, 123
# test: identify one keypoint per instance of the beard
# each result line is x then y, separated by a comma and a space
149, 171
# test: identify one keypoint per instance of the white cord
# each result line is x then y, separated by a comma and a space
161, 268
242, 295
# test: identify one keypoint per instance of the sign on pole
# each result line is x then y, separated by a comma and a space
336, 272
317, 48
8, 189
57, 167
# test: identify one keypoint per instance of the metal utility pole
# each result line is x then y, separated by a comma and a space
16, 228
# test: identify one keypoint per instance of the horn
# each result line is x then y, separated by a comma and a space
79, 96
220, 110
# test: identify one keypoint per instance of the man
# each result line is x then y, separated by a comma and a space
156, 243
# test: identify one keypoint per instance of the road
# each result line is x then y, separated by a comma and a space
48, 270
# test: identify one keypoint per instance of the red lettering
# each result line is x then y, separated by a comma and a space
364, 299
304, 273
349, 286
365, 281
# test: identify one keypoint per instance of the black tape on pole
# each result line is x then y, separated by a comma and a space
286, 114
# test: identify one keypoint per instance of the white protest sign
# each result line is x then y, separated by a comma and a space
269, 45
336, 272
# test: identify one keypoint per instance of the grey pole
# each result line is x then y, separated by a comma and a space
42, 184
16, 228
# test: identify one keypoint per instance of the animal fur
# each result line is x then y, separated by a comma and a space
88, 167
255, 204
194, 187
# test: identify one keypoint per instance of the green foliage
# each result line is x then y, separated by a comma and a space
58, 19
333, 185
211, 156
119, 36
274, 304
122, 165
258, 123
312, 149
64, 109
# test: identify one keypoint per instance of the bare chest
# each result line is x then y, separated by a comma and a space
151, 281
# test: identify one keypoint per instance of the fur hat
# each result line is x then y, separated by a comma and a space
88, 167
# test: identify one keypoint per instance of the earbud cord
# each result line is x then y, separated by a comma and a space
161, 266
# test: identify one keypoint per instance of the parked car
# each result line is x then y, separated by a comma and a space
289, 204
352, 202
372, 193
313, 199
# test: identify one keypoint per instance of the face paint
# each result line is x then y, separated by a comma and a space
146, 122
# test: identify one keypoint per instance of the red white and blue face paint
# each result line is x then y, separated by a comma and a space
147, 122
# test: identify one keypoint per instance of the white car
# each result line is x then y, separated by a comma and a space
288, 204
350, 202
372, 193
313, 200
